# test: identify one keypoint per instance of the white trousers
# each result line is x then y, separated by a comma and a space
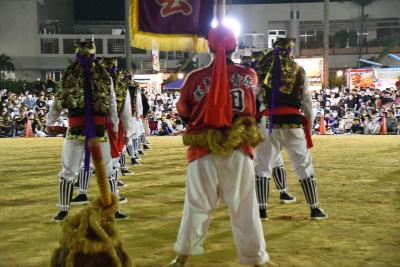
268, 154
137, 126
73, 154
230, 179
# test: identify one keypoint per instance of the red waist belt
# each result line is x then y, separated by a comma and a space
293, 111
80, 121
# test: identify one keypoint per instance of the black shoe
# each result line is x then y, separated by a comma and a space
136, 156
121, 184
146, 146
122, 200
119, 216
318, 214
263, 214
125, 172
76, 184
140, 152
135, 162
286, 198
60, 216
80, 199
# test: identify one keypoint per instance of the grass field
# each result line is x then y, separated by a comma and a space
359, 182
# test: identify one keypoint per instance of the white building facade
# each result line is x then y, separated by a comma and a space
39, 35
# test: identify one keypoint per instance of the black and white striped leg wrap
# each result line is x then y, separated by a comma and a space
309, 186
116, 175
137, 144
129, 149
113, 184
84, 179
122, 161
262, 191
66, 190
279, 176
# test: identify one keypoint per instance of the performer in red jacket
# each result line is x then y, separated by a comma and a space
218, 104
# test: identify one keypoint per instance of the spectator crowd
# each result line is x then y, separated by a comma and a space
24, 114
360, 111
336, 111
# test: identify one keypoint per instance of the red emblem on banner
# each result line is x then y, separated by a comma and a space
170, 7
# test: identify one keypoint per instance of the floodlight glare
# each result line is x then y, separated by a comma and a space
231, 23
214, 23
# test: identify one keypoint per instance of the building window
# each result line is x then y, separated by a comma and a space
163, 55
187, 55
116, 46
311, 39
178, 55
56, 75
273, 34
69, 45
171, 55
49, 46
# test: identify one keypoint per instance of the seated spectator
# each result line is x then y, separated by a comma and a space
335, 127
317, 108
327, 107
41, 103
39, 124
397, 98
164, 126
351, 103
347, 121
356, 127
20, 121
6, 126
153, 126
364, 98
376, 123
397, 112
398, 128
391, 123
30, 102
179, 128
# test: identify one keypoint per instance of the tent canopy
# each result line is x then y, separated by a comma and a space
177, 84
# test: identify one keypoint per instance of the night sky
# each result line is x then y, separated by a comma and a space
99, 10
113, 10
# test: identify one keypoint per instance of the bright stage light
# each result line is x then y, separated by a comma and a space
339, 73
231, 23
180, 75
214, 23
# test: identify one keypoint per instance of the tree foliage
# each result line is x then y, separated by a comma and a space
6, 63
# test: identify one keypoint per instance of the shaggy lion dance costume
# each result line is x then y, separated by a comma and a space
285, 95
89, 238
88, 95
117, 142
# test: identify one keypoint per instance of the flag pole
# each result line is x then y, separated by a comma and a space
128, 54
220, 10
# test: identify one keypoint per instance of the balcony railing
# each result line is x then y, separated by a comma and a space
312, 52
64, 44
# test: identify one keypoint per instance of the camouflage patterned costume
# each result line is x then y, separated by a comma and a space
83, 75
283, 87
